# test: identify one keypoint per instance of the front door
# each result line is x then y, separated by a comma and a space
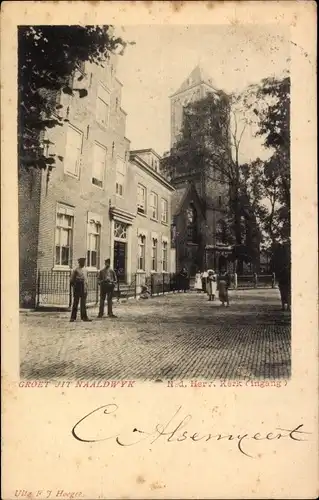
120, 260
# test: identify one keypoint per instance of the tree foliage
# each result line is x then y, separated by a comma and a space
203, 139
271, 106
47, 59
259, 191
209, 146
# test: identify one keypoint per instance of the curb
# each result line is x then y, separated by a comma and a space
123, 300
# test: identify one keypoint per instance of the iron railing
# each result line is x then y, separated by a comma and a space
53, 287
54, 290
242, 281
153, 284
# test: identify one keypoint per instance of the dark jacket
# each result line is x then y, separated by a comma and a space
184, 273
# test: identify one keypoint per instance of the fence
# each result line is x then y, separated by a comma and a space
54, 290
154, 284
253, 281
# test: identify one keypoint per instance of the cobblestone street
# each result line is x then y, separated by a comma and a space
177, 336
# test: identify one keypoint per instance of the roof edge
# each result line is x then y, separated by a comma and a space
193, 86
141, 163
146, 150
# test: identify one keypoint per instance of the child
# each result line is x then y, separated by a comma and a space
144, 292
198, 282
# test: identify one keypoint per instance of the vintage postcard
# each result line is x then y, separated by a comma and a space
159, 250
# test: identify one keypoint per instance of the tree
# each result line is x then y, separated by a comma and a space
270, 102
48, 57
209, 148
205, 124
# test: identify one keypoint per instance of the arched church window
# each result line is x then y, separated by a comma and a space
191, 216
221, 232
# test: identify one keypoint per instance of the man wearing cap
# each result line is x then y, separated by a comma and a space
79, 284
107, 280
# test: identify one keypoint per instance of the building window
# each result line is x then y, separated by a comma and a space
154, 254
164, 256
141, 199
73, 151
191, 224
102, 106
99, 160
64, 236
120, 176
120, 230
154, 205
173, 235
221, 232
141, 253
164, 211
93, 245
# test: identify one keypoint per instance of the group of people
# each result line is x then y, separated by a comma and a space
211, 282
107, 280
207, 281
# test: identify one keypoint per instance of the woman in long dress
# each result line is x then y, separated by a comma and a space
223, 283
211, 284
198, 282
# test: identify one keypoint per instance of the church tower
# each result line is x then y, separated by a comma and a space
200, 193
194, 88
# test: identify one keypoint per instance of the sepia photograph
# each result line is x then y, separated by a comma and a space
159, 261
154, 202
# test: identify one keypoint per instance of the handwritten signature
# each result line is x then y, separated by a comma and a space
175, 431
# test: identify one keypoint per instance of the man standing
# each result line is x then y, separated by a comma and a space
107, 280
79, 284
284, 288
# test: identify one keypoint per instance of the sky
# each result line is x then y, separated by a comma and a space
164, 55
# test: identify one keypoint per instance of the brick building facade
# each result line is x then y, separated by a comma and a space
88, 204
140, 220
